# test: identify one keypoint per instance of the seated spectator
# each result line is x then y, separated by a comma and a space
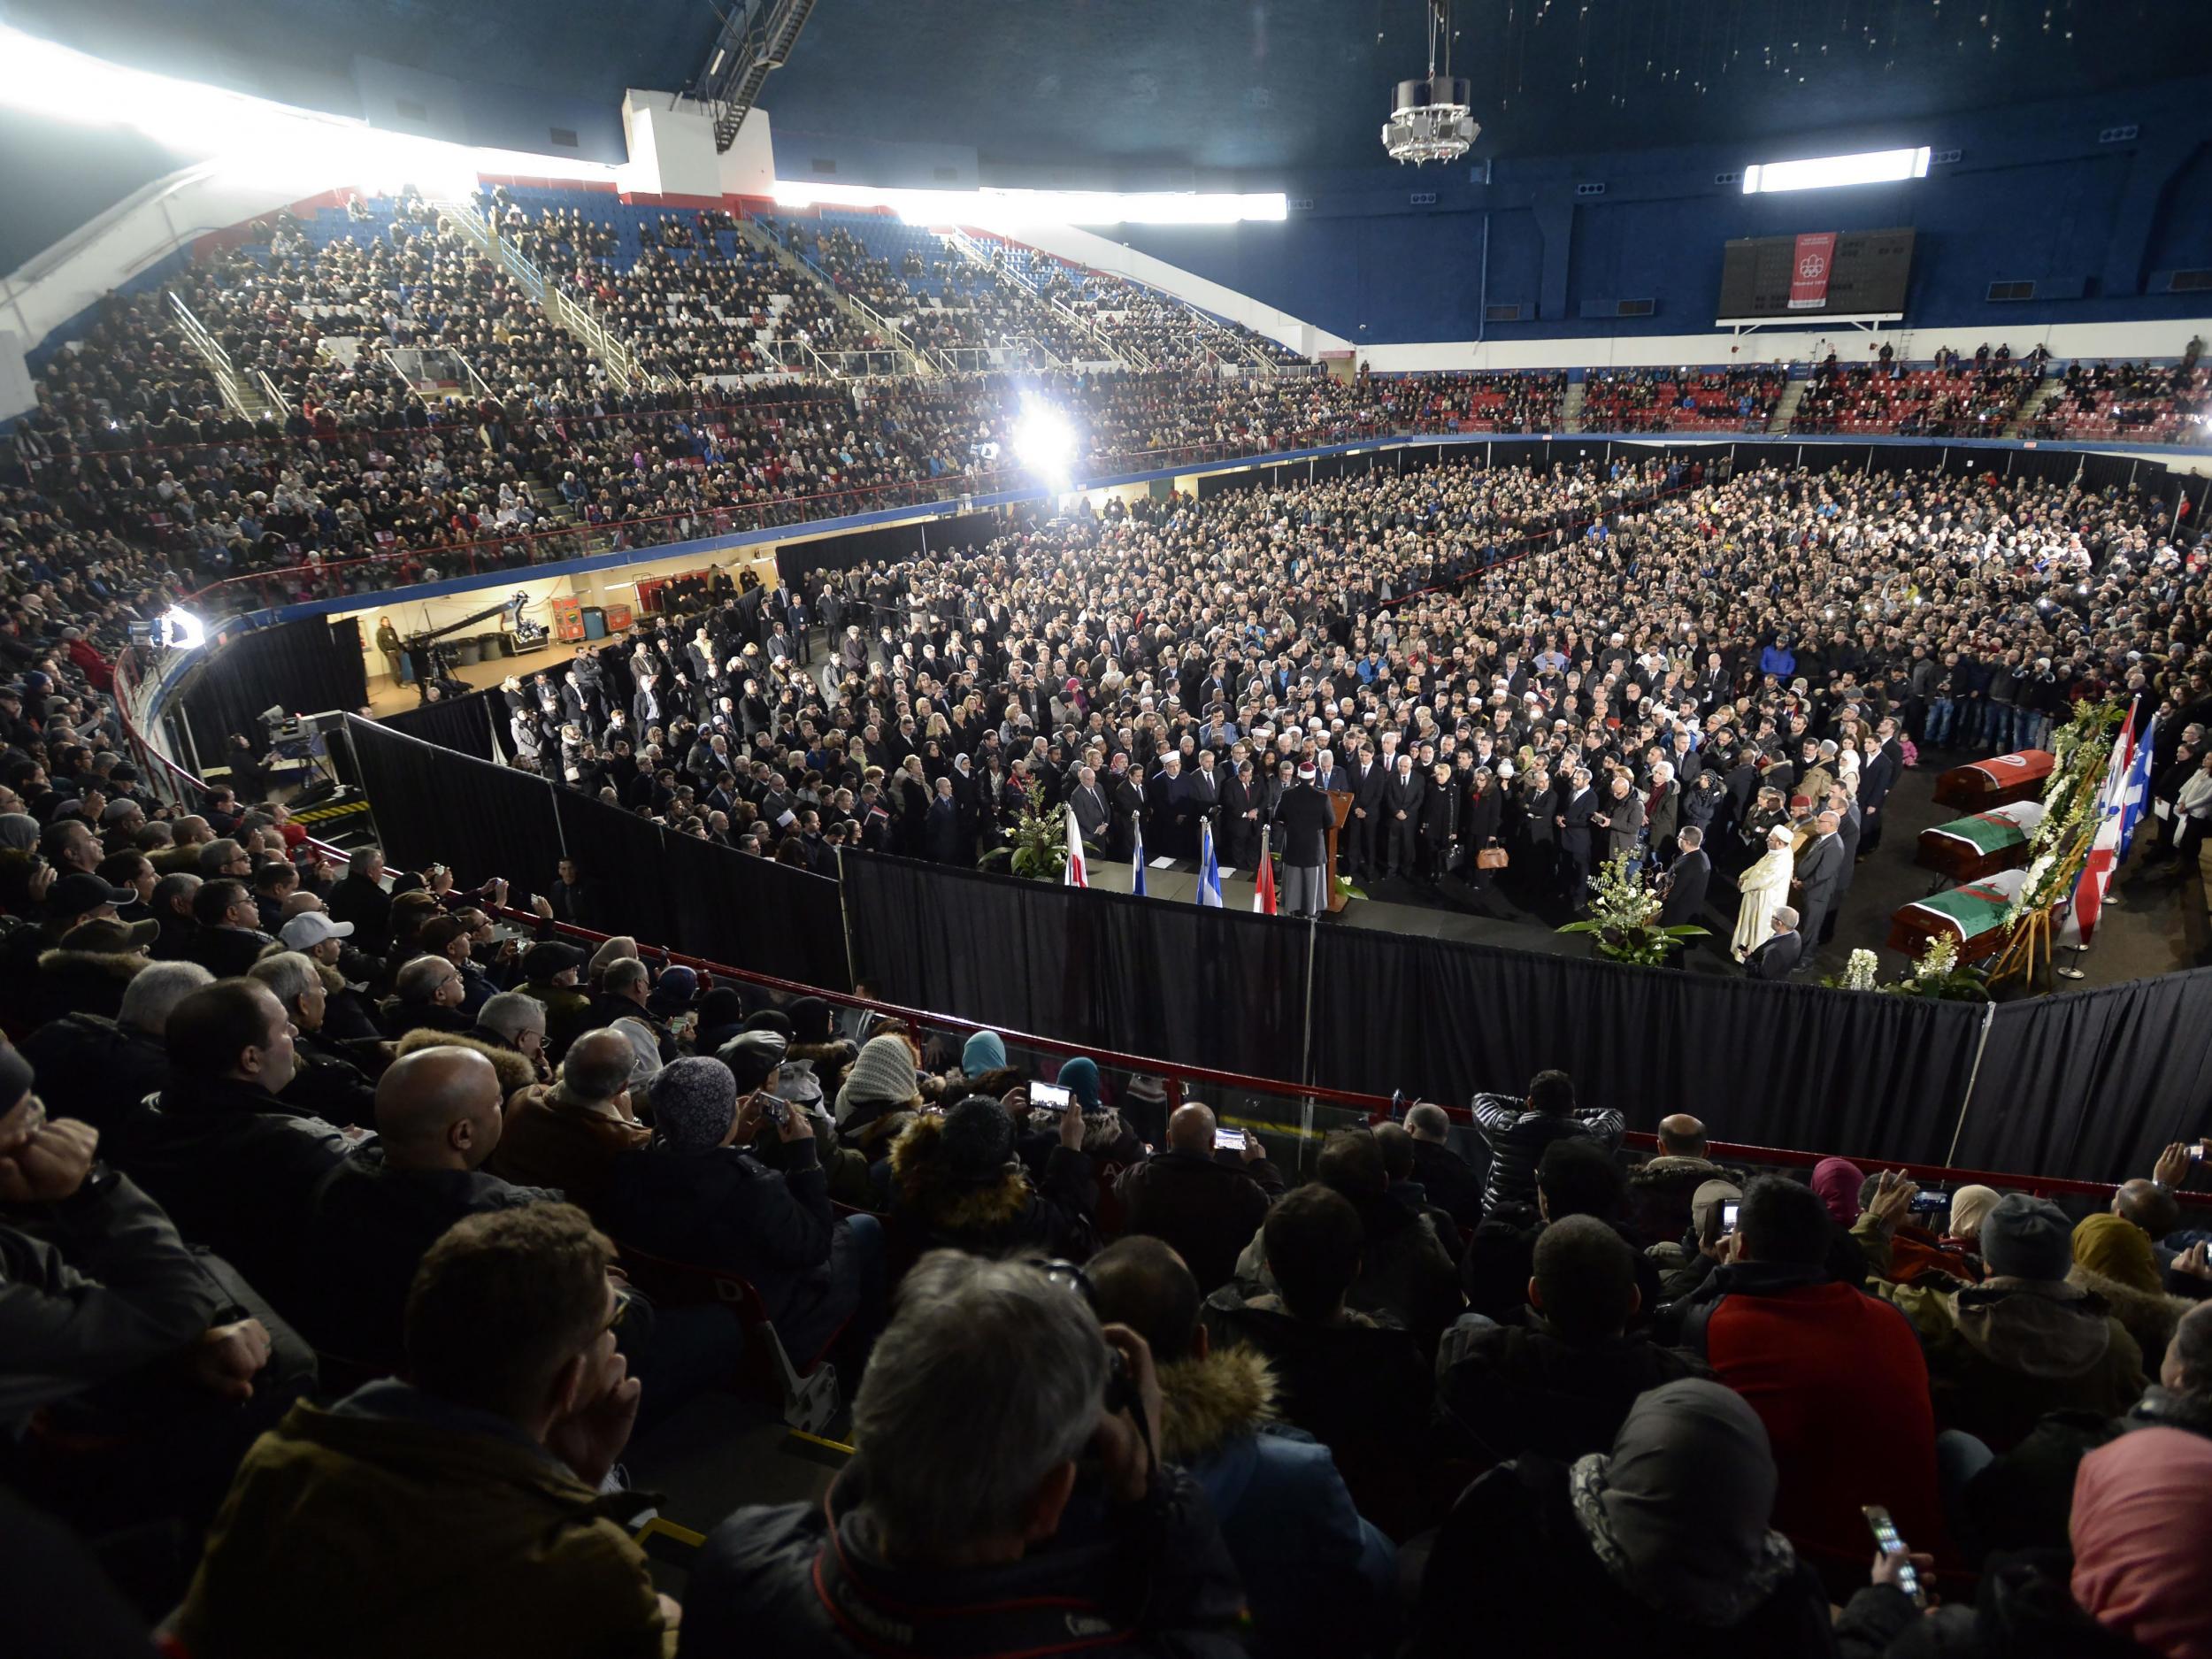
1969, 1207
1517, 1131
1447, 1179
955, 1183
234, 1167
448, 936
1683, 1267
227, 937
349, 1014
1406, 1276
1319, 1580
326, 1082
2116, 1261
104, 1067
1333, 1362
1576, 1177
427, 996
437, 1115
360, 899
509, 1032
1660, 1189
175, 898
1661, 1546
2132, 1586
815, 1049
344, 1531
1559, 1381
1837, 1377
2023, 1342
89, 971
549, 974
998, 1491
568, 1133
700, 1197
1206, 1204
878, 1093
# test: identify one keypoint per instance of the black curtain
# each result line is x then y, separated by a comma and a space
474, 725
690, 896
2093, 1084
305, 668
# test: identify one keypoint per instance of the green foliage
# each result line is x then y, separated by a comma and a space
1037, 848
1624, 918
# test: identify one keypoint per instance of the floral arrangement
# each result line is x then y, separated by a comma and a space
1859, 971
2060, 841
1938, 977
1624, 918
1036, 849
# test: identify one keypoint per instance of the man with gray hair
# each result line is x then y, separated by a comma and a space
1005, 1496
1780, 953
515, 1020
1447, 1179
328, 1082
103, 1067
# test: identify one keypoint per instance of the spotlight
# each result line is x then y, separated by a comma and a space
183, 631
1044, 443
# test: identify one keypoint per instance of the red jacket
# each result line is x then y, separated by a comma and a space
1839, 1379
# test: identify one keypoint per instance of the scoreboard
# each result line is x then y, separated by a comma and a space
1852, 273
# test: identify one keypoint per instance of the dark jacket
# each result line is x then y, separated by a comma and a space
1516, 1138
234, 1167
1208, 1209
90, 1289
933, 1211
1513, 1563
1660, 1191
2023, 1609
1450, 1182
1152, 1580
227, 952
1407, 1277
368, 906
329, 1085
1505, 1389
84, 982
95, 1069
368, 1228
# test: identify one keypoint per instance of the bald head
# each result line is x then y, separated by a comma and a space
438, 1108
1191, 1129
1682, 1136
2149, 1205
597, 1067
1429, 1122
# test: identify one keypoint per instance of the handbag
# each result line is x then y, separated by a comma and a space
1491, 858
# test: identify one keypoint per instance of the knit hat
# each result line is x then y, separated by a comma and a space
884, 1071
672, 992
750, 1057
812, 1020
1079, 1078
1970, 1208
983, 1052
770, 1019
2027, 1238
695, 1101
977, 1141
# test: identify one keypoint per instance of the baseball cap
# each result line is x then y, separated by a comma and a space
310, 928
73, 895
106, 936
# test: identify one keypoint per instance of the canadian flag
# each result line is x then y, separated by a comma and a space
1264, 882
2104, 849
1076, 875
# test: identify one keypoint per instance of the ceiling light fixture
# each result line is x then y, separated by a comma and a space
1430, 118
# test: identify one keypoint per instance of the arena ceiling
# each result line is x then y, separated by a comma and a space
1247, 84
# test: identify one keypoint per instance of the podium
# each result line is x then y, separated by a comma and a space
1340, 809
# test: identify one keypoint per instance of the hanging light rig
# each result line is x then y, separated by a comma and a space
1429, 118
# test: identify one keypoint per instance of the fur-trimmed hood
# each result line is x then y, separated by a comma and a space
90, 965
924, 1184
2148, 1316
1204, 1401
514, 1068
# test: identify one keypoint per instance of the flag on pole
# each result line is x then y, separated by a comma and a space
1263, 889
2080, 925
1209, 872
2135, 793
1136, 860
1076, 874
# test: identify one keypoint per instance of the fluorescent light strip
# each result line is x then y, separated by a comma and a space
1821, 173
1011, 209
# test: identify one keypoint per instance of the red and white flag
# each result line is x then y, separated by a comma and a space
2104, 847
1263, 881
1076, 874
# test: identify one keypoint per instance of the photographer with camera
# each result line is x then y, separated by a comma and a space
1005, 1497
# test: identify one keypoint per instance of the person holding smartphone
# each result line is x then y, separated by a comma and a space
1205, 1200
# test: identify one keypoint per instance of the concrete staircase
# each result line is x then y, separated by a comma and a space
1571, 409
248, 393
978, 254
1785, 408
2047, 390
912, 359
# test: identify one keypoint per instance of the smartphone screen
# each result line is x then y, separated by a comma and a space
1048, 1097
1728, 1210
1929, 1203
1229, 1139
1890, 1543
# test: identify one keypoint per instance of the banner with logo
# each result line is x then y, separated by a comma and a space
1815, 256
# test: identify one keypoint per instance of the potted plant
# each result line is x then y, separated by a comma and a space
1036, 848
1623, 920
1938, 976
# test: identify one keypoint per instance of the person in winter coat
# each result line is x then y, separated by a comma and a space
1206, 1208
1660, 1547
104, 1068
957, 1184
1319, 1578
1517, 1131
2024, 1342
1001, 1498
2114, 1261
1660, 1189
878, 1096
2132, 1589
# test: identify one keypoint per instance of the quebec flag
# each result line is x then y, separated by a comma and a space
1209, 872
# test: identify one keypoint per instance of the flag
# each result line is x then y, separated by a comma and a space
1076, 875
1136, 860
2135, 793
1209, 872
2080, 925
1263, 889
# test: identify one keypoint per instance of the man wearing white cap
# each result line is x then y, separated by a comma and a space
1303, 821
315, 935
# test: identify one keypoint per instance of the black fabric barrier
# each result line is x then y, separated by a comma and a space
690, 896
474, 725
305, 668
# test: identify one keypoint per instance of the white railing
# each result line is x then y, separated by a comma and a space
232, 386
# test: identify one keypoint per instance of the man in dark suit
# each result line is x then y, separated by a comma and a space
1361, 827
1684, 884
1776, 958
1574, 827
1819, 869
1877, 776
1093, 815
1164, 804
1402, 817
1202, 796
1126, 801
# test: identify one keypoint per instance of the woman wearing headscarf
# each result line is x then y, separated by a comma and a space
2134, 1588
1660, 1547
2112, 1259
957, 1184
1837, 1182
